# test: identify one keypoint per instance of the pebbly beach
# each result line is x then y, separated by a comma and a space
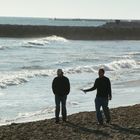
125, 125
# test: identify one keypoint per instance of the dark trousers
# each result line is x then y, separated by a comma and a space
102, 102
62, 100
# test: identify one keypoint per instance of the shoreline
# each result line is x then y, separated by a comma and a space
83, 126
108, 31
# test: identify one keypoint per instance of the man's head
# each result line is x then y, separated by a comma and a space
59, 72
101, 73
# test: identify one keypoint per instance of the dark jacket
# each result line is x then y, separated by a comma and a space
103, 87
61, 86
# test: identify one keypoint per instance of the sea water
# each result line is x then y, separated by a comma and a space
51, 21
28, 66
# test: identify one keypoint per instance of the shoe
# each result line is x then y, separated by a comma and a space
100, 123
108, 122
56, 122
64, 120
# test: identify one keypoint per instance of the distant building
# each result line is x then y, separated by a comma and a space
117, 21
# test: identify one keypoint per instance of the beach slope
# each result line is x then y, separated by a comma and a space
81, 126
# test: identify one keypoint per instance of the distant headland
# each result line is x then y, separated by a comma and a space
113, 30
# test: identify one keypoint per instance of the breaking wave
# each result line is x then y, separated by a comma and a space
46, 40
113, 66
134, 53
3, 47
19, 77
34, 67
120, 64
55, 38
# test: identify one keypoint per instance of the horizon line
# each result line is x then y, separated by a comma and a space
74, 18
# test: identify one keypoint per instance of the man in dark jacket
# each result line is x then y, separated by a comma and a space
61, 88
103, 86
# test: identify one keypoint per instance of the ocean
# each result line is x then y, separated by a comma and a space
28, 66
51, 21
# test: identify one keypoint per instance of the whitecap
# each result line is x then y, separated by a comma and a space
34, 67
19, 77
42, 42
2, 47
55, 38
134, 53
1, 94
80, 69
120, 64
112, 66
38, 42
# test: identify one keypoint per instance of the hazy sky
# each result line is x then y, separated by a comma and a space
104, 9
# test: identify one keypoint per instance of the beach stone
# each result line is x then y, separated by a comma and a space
81, 126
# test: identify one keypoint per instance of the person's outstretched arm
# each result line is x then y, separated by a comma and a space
92, 88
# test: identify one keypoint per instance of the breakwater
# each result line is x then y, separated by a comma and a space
109, 31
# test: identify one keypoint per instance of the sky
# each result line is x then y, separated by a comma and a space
90, 9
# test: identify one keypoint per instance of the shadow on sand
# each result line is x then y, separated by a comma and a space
121, 129
79, 128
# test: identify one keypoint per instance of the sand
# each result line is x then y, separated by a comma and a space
81, 126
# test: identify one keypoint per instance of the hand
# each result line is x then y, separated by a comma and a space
83, 91
109, 98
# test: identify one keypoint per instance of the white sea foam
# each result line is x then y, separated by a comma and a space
55, 38
2, 47
80, 69
33, 67
134, 53
112, 66
120, 64
47, 40
1, 94
19, 77
122, 57
38, 42
34, 116
30, 116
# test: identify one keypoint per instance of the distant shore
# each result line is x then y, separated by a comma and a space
81, 126
109, 31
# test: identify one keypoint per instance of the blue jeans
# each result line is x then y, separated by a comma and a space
102, 102
62, 100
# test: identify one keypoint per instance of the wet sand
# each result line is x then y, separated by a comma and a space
81, 126
109, 31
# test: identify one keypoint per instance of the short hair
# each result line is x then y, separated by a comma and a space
102, 70
60, 71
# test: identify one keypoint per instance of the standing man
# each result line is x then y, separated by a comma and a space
103, 86
61, 88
